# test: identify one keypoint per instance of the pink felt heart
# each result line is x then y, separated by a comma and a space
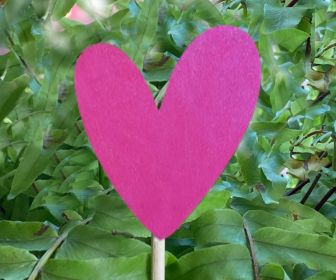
163, 161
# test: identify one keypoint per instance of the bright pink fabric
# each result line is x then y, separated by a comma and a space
163, 162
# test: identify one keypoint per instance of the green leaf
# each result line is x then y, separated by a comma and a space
42, 146
275, 130
15, 263
34, 160
215, 199
98, 269
113, 215
289, 38
86, 242
41, 7
10, 94
287, 248
325, 275
282, 17
145, 30
34, 236
256, 10
205, 10
61, 8
57, 204
257, 219
279, 94
231, 261
273, 272
288, 209
248, 156
218, 226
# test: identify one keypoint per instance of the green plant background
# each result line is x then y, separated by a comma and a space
271, 214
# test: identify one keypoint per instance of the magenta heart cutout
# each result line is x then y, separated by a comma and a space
163, 161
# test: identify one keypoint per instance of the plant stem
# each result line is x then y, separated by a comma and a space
40, 264
35, 188
320, 97
308, 49
252, 251
100, 174
332, 190
333, 45
44, 259
301, 184
310, 134
298, 187
292, 3
313, 185
108, 190
325, 198
334, 155
20, 59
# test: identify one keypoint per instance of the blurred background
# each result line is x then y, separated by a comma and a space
271, 214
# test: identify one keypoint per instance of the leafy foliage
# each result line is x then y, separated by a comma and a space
271, 214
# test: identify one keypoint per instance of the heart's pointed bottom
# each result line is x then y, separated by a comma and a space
167, 225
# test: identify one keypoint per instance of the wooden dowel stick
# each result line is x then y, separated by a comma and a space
158, 258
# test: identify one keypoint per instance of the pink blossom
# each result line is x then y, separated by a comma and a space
78, 14
3, 51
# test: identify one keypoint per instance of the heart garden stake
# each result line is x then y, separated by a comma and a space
163, 161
